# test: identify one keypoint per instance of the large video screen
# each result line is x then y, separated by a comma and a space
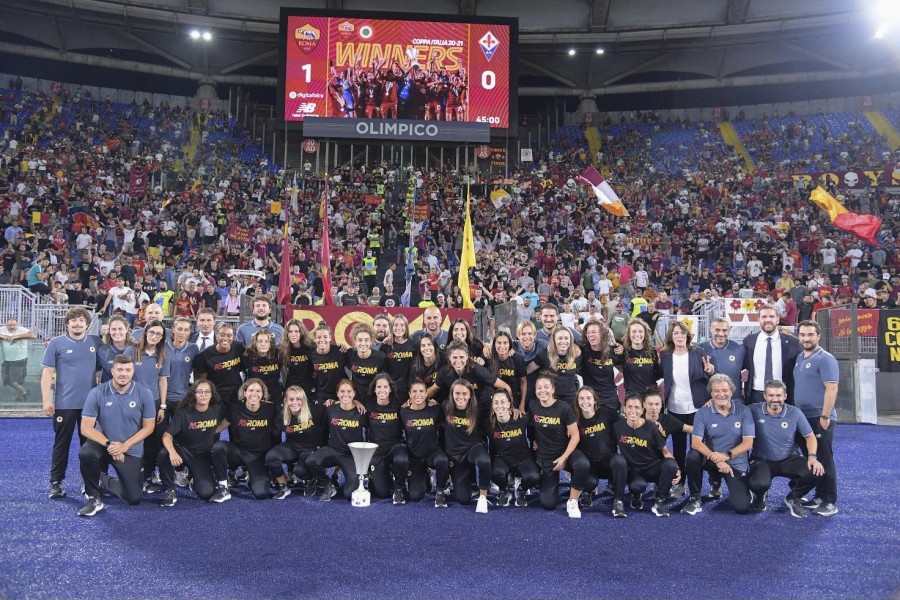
366, 67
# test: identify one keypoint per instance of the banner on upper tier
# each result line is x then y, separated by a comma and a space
854, 179
342, 318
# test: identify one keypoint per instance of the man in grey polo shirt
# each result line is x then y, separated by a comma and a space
722, 438
775, 450
726, 355
816, 378
69, 367
118, 415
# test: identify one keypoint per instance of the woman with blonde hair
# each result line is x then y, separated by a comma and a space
114, 342
637, 358
304, 427
563, 359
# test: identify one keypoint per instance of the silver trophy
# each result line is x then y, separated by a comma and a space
362, 457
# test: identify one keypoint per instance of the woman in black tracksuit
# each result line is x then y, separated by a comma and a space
385, 429
345, 425
464, 444
555, 434
251, 421
510, 452
421, 425
303, 425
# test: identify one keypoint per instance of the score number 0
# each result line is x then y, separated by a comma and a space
488, 78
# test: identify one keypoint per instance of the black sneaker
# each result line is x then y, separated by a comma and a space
759, 502
220, 495
677, 491
692, 507
182, 478
828, 509
152, 488
91, 507
716, 491
636, 503
607, 493
618, 510
440, 499
811, 504
243, 477
282, 492
503, 498
309, 488
169, 499
586, 499
56, 491
660, 509
795, 507
521, 496
329, 493
232, 480
399, 498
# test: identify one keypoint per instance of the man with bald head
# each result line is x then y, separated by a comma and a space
432, 319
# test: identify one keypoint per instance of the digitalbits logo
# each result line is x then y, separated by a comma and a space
366, 32
489, 44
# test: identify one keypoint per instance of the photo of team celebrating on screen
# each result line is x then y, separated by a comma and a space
395, 91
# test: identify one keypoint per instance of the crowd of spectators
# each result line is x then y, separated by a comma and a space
701, 226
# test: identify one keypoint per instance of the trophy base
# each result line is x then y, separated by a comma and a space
361, 498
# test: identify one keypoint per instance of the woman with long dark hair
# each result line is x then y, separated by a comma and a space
427, 361
510, 451
385, 429
189, 440
422, 423
261, 361
637, 358
464, 443
598, 365
509, 367
463, 367
294, 350
400, 351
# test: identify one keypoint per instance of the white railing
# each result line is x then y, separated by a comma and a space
45, 319
17, 302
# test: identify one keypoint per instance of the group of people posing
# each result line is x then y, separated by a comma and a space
450, 415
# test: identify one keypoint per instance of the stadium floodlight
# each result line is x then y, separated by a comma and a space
882, 31
207, 36
571, 51
600, 51
195, 34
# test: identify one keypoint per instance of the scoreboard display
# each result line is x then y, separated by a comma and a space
389, 66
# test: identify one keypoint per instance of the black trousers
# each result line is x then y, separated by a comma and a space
153, 443
128, 486
283, 454
794, 468
384, 470
65, 423
578, 466
738, 484
661, 473
681, 442
611, 467
527, 469
461, 471
205, 469
326, 457
234, 457
413, 471
826, 488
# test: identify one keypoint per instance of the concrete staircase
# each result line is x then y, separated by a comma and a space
884, 127
732, 138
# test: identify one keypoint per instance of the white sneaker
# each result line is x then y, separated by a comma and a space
572, 508
494, 489
482, 505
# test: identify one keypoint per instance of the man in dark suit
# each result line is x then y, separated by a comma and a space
205, 336
769, 355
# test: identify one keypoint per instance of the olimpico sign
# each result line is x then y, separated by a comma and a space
397, 129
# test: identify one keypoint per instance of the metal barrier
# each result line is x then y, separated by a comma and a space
17, 302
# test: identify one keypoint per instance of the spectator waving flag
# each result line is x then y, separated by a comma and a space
468, 254
608, 198
327, 296
865, 227
410, 264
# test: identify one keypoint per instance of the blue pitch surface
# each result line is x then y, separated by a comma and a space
300, 547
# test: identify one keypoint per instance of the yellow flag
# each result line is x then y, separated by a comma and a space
467, 261
827, 202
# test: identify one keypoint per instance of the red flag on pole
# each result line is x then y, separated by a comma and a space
328, 297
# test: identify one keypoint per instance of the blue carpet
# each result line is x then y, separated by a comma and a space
302, 548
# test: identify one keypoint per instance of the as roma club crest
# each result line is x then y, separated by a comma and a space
307, 38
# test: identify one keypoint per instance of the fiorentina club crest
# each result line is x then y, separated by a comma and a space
489, 45
307, 38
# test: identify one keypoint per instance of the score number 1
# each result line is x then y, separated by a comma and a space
307, 70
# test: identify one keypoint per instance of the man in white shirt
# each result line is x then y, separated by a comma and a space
829, 254
767, 360
123, 300
205, 336
14, 344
